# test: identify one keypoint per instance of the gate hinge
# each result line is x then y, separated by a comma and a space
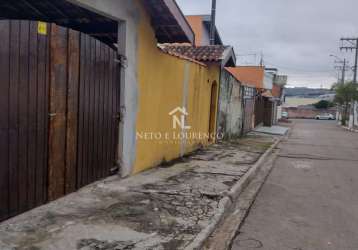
121, 114
122, 61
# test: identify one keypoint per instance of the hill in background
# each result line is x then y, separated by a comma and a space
307, 92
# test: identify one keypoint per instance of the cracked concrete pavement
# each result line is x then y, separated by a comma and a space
164, 208
309, 201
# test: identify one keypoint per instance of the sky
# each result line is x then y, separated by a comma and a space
297, 37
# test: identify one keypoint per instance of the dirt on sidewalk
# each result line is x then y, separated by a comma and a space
164, 208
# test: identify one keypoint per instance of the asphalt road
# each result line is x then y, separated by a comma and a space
310, 200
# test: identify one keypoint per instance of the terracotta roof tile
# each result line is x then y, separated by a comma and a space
182, 57
211, 53
252, 76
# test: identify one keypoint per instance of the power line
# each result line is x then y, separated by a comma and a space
299, 69
351, 44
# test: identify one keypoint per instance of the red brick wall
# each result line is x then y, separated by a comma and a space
306, 113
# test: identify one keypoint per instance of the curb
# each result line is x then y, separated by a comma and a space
229, 200
224, 236
350, 129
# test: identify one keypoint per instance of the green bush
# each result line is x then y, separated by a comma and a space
323, 104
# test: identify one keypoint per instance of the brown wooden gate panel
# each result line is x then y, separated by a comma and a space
24, 81
98, 111
84, 105
59, 100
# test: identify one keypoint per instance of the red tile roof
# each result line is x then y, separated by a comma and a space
252, 76
181, 56
211, 53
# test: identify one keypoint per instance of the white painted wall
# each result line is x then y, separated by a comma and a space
353, 119
268, 81
128, 12
279, 112
205, 39
356, 114
230, 107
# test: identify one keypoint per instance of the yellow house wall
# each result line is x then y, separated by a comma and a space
162, 79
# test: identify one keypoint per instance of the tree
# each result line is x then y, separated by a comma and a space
345, 94
323, 104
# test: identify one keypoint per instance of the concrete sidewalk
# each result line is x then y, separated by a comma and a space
274, 130
166, 208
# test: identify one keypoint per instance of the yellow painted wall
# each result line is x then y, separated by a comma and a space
161, 84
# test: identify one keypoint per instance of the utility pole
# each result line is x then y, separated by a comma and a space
262, 60
342, 68
351, 44
344, 71
213, 23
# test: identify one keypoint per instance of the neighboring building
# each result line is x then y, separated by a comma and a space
218, 57
201, 25
230, 116
269, 91
249, 94
257, 77
231, 104
268, 80
280, 81
250, 81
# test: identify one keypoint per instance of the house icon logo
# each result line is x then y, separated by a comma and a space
178, 116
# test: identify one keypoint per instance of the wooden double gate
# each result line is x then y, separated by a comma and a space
59, 100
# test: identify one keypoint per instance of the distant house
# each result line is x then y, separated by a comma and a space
201, 26
280, 81
256, 77
268, 87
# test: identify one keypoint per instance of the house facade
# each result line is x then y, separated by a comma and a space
102, 95
201, 25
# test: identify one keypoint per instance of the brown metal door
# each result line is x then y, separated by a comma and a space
24, 82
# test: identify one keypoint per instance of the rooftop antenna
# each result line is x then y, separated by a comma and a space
262, 60
212, 24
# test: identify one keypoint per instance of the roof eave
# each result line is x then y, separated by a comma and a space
229, 57
169, 22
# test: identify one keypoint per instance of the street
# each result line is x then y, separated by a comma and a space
309, 201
